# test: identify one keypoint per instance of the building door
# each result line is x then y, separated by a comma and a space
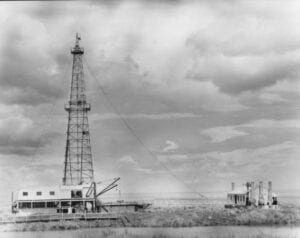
235, 199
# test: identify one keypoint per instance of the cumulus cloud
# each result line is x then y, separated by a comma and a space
247, 51
269, 123
13, 121
29, 72
15, 129
271, 98
128, 160
128, 163
21, 133
220, 77
171, 146
220, 134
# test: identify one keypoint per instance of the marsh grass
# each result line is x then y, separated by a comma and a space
179, 217
195, 216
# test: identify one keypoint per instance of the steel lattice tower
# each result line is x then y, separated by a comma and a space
78, 156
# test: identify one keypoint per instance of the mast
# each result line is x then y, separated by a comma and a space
78, 166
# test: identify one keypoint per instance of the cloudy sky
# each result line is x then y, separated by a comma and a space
211, 88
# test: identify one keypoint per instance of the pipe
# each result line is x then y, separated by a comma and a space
270, 192
260, 195
232, 186
252, 192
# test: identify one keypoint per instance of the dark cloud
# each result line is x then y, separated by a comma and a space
236, 70
27, 77
231, 79
226, 61
26, 144
19, 150
125, 86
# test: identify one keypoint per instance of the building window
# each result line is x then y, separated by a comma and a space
65, 203
52, 193
23, 205
38, 193
38, 205
76, 194
77, 204
25, 193
52, 204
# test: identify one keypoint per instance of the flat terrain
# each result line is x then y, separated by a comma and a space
215, 216
178, 217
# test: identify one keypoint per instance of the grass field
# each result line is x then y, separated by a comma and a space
213, 216
179, 217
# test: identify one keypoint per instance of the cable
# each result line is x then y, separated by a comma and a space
137, 137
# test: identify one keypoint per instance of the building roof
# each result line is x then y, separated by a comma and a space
55, 192
243, 190
239, 190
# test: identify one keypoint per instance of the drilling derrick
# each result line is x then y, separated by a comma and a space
78, 167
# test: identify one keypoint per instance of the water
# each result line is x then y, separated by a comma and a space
203, 232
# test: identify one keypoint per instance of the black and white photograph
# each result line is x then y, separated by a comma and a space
147, 119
